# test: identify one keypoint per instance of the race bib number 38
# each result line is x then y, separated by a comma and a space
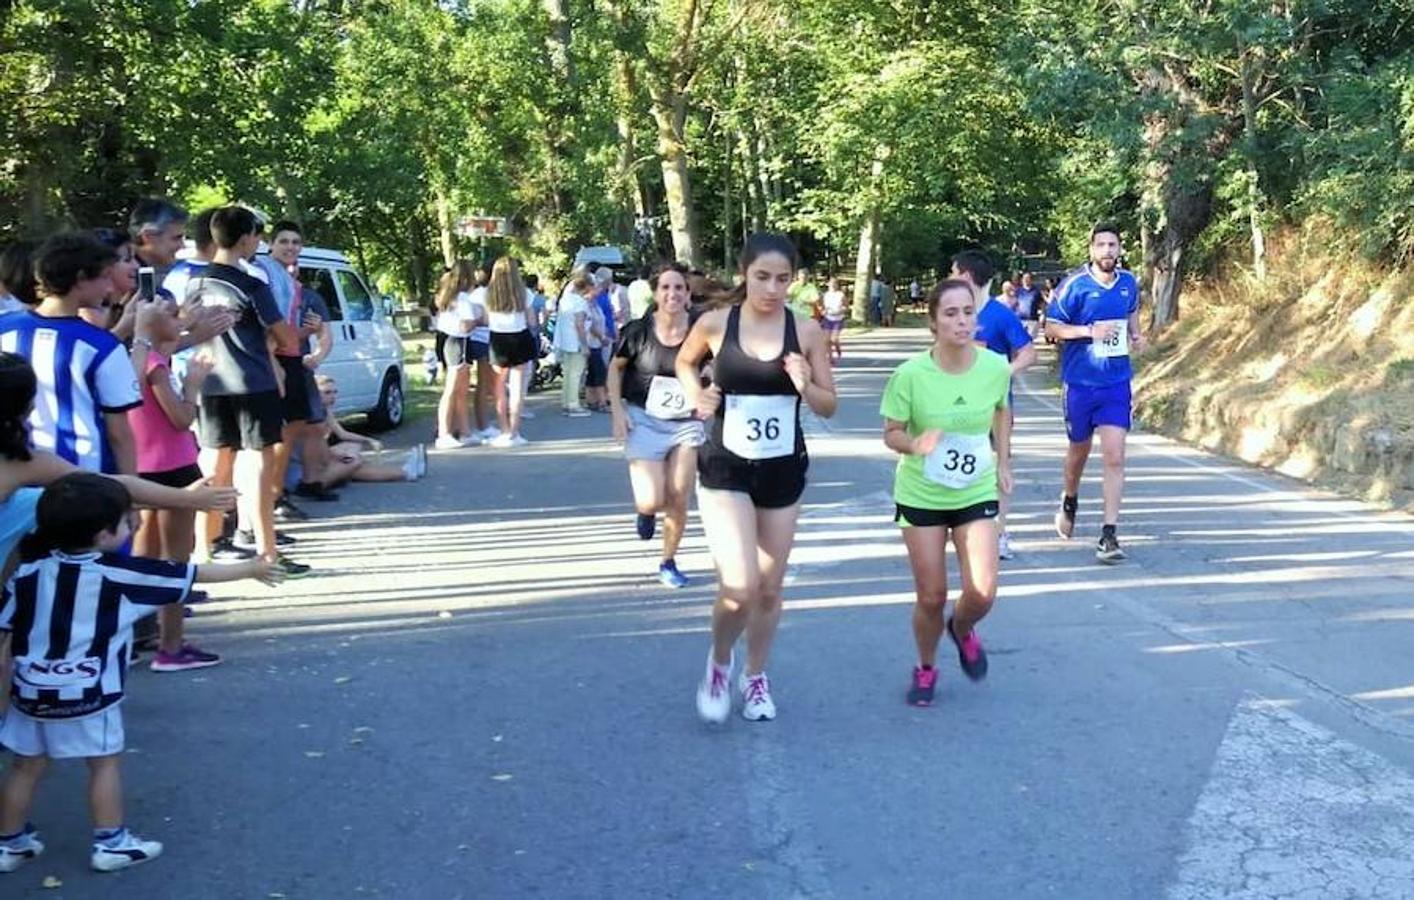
759, 426
959, 460
666, 399
1117, 344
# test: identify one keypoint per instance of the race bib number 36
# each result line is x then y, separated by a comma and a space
959, 460
666, 399
1117, 344
759, 426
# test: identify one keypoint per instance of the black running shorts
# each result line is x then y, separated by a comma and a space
772, 483
945, 518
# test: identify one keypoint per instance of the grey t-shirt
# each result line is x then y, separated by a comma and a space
240, 358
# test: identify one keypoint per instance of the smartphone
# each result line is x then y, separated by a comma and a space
147, 283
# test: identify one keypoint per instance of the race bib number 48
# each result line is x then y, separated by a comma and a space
959, 460
1117, 344
666, 399
759, 426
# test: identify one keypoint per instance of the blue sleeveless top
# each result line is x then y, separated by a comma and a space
17, 518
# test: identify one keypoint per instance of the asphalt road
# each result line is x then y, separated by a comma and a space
486, 694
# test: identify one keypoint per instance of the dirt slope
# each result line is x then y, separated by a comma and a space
1310, 373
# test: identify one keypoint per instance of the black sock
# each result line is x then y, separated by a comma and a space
1109, 529
1070, 503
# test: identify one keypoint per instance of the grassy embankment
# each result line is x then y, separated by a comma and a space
1310, 373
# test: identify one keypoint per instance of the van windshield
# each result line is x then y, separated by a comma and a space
321, 281
358, 303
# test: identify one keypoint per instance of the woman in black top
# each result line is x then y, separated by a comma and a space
653, 418
751, 468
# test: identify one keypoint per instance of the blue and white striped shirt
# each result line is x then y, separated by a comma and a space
83, 372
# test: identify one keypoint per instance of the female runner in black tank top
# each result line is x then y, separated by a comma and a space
652, 418
751, 470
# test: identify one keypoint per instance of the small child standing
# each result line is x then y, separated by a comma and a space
167, 455
67, 618
429, 362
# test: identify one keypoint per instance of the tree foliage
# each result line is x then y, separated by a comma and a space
880, 133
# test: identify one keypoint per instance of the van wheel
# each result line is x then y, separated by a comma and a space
388, 414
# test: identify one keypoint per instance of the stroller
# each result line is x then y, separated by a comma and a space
547, 366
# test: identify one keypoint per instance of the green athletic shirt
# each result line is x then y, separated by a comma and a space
925, 397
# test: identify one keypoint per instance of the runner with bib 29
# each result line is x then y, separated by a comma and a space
751, 468
653, 418
941, 409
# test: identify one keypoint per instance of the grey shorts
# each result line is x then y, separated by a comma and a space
653, 439
100, 734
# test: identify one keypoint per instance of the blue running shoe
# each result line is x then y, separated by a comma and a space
669, 575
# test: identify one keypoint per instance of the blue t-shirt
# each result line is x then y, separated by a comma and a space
1026, 301
1081, 300
606, 306
1000, 330
17, 518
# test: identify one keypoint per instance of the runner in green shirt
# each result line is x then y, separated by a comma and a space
940, 411
803, 296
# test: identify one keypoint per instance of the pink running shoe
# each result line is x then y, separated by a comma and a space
921, 691
970, 654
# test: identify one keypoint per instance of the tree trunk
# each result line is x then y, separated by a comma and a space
864, 265
630, 185
1250, 150
444, 228
671, 116
557, 42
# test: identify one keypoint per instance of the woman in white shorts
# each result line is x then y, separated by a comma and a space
653, 418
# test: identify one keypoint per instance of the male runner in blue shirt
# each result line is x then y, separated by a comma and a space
1095, 311
999, 330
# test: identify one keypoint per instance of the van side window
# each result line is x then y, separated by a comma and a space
358, 304
321, 281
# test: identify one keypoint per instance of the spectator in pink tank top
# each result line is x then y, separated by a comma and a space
167, 454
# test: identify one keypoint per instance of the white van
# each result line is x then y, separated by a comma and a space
367, 357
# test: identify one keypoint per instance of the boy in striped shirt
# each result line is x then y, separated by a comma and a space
66, 617
86, 378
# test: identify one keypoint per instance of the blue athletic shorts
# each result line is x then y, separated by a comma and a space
1087, 408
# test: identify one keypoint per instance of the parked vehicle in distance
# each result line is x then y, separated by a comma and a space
367, 357
590, 258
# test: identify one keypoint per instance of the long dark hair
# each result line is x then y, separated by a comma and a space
73, 511
757, 246
17, 387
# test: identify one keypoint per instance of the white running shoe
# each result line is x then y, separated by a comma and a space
518, 441
447, 442
20, 850
714, 694
488, 434
1004, 550
756, 703
503, 440
128, 850
471, 440
410, 467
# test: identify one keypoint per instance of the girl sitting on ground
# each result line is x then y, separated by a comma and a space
346, 460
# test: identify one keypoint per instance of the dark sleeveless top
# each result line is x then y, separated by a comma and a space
736, 372
646, 356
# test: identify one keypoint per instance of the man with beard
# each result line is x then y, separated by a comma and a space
1095, 311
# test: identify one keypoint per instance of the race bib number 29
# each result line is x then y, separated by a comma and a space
759, 426
666, 399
